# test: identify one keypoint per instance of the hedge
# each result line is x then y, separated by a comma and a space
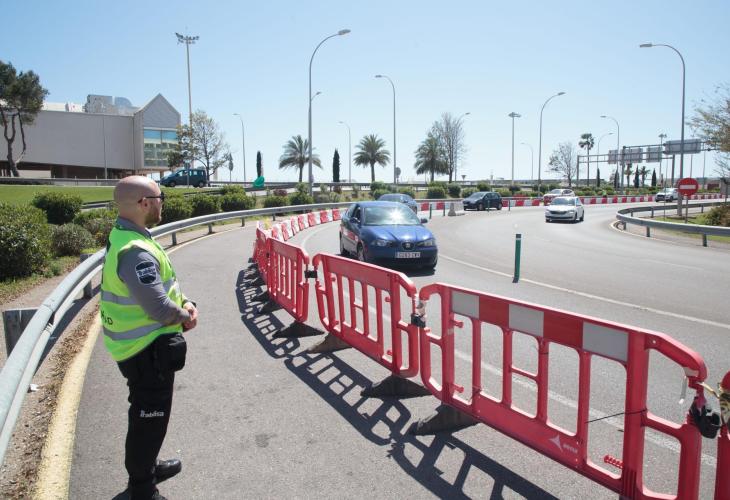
70, 239
25, 240
60, 208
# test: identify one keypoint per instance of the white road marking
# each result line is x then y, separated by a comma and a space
592, 296
616, 422
694, 268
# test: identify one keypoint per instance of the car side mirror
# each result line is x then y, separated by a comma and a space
424, 220
355, 221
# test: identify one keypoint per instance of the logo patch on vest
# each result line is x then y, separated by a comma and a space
151, 414
146, 272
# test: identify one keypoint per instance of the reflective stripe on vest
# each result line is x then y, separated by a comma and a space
130, 301
135, 333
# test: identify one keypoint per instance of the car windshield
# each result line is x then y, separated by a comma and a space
476, 195
390, 197
556, 191
564, 201
389, 215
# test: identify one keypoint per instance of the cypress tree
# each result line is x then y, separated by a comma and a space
336, 167
598, 177
653, 178
259, 165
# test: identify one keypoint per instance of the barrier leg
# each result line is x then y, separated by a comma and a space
704, 240
269, 307
243, 221
330, 343
648, 232
395, 387
297, 330
174, 239
262, 297
210, 228
87, 289
447, 418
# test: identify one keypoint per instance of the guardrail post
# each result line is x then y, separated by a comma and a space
444, 214
15, 321
518, 251
273, 217
174, 239
210, 228
243, 221
652, 212
648, 232
87, 289
430, 211
704, 239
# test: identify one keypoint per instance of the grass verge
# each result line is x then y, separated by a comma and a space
13, 288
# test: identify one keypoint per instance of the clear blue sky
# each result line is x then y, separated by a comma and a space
486, 58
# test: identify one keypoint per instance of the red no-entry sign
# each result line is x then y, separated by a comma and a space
687, 186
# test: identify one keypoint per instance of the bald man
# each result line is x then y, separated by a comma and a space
143, 315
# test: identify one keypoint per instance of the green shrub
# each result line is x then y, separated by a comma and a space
377, 193
436, 192
718, 216
504, 192
454, 190
379, 186
356, 190
97, 213
204, 204
99, 222
275, 201
337, 189
326, 198
60, 208
280, 192
25, 240
233, 202
483, 186
513, 189
468, 192
409, 191
70, 239
176, 208
300, 198
609, 191
232, 189
323, 188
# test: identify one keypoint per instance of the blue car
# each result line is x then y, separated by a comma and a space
387, 233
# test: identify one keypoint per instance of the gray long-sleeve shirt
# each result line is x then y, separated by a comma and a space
140, 271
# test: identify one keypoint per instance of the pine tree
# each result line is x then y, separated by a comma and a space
653, 178
636, 178
598, 177
259, 165
336, 167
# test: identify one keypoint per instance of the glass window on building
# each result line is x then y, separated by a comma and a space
157, 143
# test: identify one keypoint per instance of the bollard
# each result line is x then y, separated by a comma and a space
444, 214
704, 240
174, 239
210, 228
15, 321
652, 212
243, 221
648, 232
430, 211
87, 289
518, 250
702, 209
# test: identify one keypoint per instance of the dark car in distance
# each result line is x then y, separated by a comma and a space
186, 177
387, 233
482, 200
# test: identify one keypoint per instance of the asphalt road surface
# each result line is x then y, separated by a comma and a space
256, 416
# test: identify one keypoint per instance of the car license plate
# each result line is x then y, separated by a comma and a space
407, 255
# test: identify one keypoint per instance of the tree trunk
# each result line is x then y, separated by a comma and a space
588, 172
301, 169
431, 175
372, 172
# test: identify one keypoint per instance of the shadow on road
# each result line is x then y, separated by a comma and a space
384, 422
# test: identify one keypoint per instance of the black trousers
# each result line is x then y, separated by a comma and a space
150, 377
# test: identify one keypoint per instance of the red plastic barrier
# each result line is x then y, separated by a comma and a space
312, 219
275, 232
439, 205
286, 282
722, 479
324, 216
294, 225
260, 253
336, 214
285, 234
339, 308
302, 223
589, 337
424, 206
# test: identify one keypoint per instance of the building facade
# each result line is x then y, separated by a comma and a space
105, 138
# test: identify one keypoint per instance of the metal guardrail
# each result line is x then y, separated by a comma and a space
705, 231
25, 357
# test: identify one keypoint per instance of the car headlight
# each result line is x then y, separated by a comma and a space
382, 243
431, 242
571, 211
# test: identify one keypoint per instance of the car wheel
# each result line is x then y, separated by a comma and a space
171, 184
582, 216
201, 184
361, 254
548, 220
575, 218
343, 252
480, 207
499, 206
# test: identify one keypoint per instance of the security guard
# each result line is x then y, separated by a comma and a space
144, 314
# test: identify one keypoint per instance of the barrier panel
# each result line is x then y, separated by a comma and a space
302, 222
589, 337
286, 282
324, 216
294, 224
312, 219
336, 214
339, 308
285, 231
260, 253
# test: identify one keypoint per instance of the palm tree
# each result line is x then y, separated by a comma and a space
430, 157
371, 150
587, 142
628, 172
296, 154
643, 172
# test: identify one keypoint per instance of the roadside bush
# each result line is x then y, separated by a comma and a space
25, 240
379, 186
326, 198
97, 213
409, 191
275, 201
436, 192
356, 190
232, 189
99, 222
280, 192
504, 193
718, 216
337, 189
483, 186
60, 208
176, 208
301, 198
70, 239
514, 189
377, 193
233, 202
323, 188
468, 192
454, 190
204, 204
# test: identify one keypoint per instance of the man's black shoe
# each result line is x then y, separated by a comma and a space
157, 495
165, 469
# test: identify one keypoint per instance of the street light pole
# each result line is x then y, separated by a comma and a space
619, 156
532, 161
243, 144
395, 165
598, 150
349, 151
513, 115
188, 40
456, 154
339, 33
662, 136
539, 148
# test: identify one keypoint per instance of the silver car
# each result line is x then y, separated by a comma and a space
666, 194
565, 208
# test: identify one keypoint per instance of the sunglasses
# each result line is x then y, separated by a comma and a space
161, 197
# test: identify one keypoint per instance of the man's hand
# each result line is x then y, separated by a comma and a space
193, 321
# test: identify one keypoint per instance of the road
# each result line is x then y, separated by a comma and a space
259, 417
